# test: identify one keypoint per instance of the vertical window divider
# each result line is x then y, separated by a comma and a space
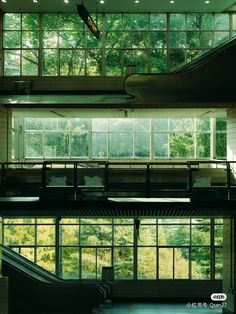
58, 261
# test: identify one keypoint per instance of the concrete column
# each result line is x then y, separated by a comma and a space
3, 281
229, 245
231, 137
5, 134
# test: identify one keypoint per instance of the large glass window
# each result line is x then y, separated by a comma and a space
160, 249
122, 138
144, 40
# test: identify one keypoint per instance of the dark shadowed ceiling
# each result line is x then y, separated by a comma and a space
117, 5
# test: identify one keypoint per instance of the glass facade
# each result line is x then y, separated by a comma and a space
120, 138
159, 249
60, 45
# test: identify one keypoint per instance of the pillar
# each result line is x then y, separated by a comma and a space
231, 137
3, 281
229, 245
5, 134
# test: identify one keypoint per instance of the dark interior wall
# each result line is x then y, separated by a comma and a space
58, 84
187, 290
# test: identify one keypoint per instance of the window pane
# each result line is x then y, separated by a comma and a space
46, 258
221, 124
30, 21
199, 21
177, 39
50, 21
123, 262
146, 263
201, 263
103, 260
135, 21
50, 39
165, 263
158, 59
30, 62
70, 21
158, 21
177, 57
69, 263
221, 21
50, 62
114, 21
161, 144
201, 235
142, 145
173, 235
19, 234
221, 145
113, 62
69, 235
181, 263
71, 39
56, 145
181, 145
99, 125
147, 235
203, 124
45, 235
33, 145
120, 145
93, 61
27, 253
96, 235
30, 39
218, 263
99, 145
88, 263
79, 145
11, 39
158, 40
72, 62
218, 234
203, 145
177, 21
123, 235
12, 21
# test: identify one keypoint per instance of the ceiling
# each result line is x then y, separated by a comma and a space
117, 6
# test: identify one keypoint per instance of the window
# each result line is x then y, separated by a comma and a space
162, 249
67, 47
122, 138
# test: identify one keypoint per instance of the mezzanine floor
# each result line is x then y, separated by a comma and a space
162, 308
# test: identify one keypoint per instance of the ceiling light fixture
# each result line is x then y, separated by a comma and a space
35, 1
4, 0
66, 1
207, 1
172, 1
136, 1
102, 1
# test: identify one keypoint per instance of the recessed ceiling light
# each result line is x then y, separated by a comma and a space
35, 1
172, 1
136, 1
66, 1
207, 1
4, 0
102, 1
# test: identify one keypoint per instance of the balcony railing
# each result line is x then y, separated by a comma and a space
76, 180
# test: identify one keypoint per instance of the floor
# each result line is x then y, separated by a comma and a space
152, 308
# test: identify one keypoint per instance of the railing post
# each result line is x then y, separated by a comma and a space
106, 181
228, 175
75, 181
148, 185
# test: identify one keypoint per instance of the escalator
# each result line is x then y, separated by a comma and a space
33, 290
211, 77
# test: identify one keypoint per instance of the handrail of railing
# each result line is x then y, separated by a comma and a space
148, 168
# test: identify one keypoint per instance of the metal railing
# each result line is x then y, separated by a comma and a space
77, 179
